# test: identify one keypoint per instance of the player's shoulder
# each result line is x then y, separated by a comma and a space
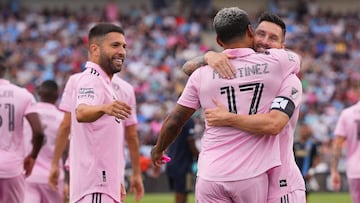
283, 53
118, 81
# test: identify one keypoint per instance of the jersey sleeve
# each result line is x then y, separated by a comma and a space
132, 119
66, 99
289, 61
190, 96
289, 96
30, 104
340, 128
89, 90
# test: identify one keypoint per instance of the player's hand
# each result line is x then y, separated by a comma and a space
221, 64
54, 177
217, 116
156, 157
118, 109
28, 165
336, 181
137, 186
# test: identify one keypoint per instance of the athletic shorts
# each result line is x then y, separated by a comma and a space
354, 189
254, 190
97, 198
297, 196
12, 189
181, 184
41, 192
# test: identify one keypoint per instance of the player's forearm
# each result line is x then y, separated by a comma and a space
88, 113
336, 154
38, 134
260, 124
190, 66
37, 141
172, 126
133, 145
61, 143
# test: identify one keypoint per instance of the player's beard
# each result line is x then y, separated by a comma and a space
110, 64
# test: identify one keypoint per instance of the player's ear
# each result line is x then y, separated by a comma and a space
220, 43
250, 31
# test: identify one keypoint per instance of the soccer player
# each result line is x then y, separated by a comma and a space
182, 152
285, 181
347, 133
36, 188
15, 105
232, 164
126, 93
96, 164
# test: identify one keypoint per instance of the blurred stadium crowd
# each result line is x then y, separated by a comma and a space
51, 44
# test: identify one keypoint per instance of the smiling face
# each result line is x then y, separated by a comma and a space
110, 52
268, 35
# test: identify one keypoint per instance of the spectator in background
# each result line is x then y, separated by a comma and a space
305, 150
183, 154
347, 134
36, 189
16, 104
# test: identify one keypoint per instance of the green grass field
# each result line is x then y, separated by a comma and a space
313, 198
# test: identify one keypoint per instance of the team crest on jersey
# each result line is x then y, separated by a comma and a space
294, 93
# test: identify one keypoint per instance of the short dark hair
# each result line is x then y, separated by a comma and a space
230, 23
101, 29
3, 65
48, 91
273, 18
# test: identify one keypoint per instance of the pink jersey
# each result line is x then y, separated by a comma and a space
228, 154
348, 126
15, 103
287, 177
96, 147
67, 100
51, 118
125, 93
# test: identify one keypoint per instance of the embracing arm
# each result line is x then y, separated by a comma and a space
260, 124
218, 61
170, 130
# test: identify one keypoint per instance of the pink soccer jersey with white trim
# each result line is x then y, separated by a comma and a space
287, 177
125, 93
67, 100
51, 118
228, 154
15, 103
348, 126
96, 147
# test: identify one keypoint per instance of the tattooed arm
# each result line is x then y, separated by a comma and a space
218, 61
170, 129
